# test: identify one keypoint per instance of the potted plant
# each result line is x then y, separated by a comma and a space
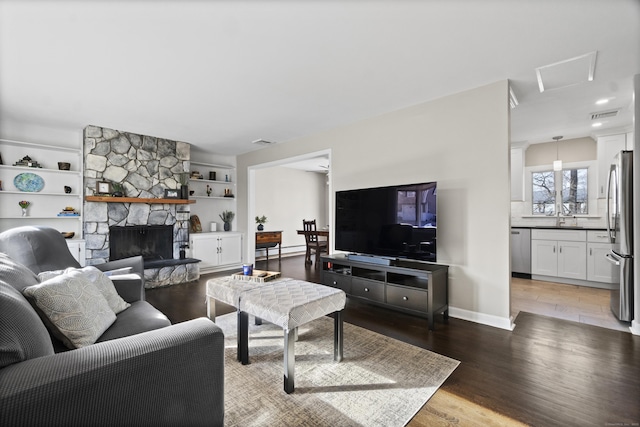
117, 189
227, 217
260, 220
183, 178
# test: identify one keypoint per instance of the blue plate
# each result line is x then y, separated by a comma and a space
29, 182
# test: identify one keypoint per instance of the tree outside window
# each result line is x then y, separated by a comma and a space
573, 192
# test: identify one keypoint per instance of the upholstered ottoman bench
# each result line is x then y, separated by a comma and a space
289, 304
229, 290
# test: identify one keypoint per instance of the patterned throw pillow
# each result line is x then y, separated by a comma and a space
72, 308
99, 279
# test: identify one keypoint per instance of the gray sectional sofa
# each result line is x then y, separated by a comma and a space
140, 371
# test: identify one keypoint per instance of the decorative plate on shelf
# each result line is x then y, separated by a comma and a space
29, 182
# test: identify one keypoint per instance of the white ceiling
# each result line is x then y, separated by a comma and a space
220, 74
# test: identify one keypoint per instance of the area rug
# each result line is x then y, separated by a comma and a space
379, 382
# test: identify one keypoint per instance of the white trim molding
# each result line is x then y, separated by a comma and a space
484, 319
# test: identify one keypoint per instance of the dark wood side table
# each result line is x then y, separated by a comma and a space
269, 239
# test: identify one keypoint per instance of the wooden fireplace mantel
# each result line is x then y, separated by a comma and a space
108, 199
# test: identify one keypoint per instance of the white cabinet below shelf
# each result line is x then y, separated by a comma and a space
216, 250
77, 248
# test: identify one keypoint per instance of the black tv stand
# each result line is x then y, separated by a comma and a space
414, 287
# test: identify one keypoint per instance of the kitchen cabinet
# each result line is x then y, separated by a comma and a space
598, 268
571, 256
559, 253
607, 147
216, 250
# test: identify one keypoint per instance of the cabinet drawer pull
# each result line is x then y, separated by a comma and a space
366, 289
335, 282
405, 298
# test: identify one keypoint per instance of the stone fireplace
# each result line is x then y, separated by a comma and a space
145, 166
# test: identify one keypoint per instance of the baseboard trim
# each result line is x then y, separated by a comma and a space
635, 327
482, 318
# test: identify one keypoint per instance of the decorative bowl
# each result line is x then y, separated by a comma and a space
67, 234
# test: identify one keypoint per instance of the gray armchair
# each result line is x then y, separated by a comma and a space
44, 249
141, 371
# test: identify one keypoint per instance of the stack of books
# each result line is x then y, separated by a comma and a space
68, 211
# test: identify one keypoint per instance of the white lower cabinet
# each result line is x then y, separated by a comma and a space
578, 255
78, 250
572, 260
216, 249
544, 257
559, 258
598, 268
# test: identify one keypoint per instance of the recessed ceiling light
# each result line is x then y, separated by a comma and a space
596, 125
602, 101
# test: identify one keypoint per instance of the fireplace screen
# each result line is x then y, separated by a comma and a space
153, 242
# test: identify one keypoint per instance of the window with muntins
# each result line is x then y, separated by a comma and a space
571, 196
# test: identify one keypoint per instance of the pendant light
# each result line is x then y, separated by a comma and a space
557, 164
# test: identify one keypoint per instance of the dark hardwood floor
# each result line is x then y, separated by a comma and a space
547, 372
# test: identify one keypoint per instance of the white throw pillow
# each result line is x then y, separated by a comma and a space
72, 308
99, 279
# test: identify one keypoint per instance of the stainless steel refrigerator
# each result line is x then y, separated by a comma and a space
620, 228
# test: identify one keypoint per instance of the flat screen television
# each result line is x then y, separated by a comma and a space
397, 221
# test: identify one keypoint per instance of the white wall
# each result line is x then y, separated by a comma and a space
286, 196
461, 141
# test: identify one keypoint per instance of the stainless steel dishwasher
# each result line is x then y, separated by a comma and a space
521, 251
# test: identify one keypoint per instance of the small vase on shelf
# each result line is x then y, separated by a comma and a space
24, 204
227, 226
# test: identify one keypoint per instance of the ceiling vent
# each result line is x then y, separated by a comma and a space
604, 114
262, 142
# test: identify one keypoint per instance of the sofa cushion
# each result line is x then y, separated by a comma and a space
140, 317
16, 274
72, 307
23, 336
99, 279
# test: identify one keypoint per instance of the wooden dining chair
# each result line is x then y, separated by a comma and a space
314, 244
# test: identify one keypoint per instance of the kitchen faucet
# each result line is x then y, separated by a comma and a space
560, 221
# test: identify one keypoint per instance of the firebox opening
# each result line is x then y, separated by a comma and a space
153, 242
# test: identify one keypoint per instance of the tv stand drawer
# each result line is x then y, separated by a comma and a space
336, 280
411, 299
369, 289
